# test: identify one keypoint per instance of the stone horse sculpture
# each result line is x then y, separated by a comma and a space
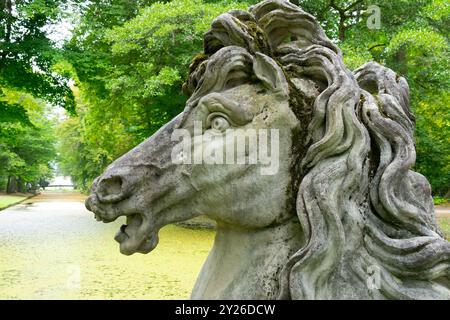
344, 217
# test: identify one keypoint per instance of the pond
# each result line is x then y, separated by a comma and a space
56, 250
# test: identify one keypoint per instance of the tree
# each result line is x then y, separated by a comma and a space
26, 52
129, 75
413, 41
129, 60
26, 145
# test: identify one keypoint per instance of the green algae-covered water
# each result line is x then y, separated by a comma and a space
56, 250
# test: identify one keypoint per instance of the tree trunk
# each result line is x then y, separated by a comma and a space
342, 27
6, 24
401, 60
6, 7
12, 185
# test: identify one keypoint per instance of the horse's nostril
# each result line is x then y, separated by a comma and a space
112, 185
110, 189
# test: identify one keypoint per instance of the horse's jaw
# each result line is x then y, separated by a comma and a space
246, 263
139, 234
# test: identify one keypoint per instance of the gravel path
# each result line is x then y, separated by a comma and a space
442, 211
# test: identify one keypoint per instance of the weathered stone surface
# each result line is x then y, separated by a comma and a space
344, 217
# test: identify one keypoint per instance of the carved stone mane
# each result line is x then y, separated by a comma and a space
366, 219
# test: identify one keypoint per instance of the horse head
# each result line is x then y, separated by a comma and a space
339, 200
148, 185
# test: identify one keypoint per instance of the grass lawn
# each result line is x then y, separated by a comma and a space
445, 226
440, 201
8, 200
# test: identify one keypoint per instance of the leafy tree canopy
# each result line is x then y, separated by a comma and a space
130, 58
27, 54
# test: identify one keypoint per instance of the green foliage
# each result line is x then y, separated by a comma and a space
130, 58
87, 144
13, 113
440, 200
129, 74
413, 41
26, 139
26, 80
26, 53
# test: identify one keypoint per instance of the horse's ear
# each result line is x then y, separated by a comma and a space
270, 73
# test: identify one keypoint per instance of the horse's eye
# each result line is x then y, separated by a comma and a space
219, 123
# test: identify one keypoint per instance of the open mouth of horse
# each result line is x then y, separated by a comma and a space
137, 235
133, 222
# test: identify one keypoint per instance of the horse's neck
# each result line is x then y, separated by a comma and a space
246, 264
